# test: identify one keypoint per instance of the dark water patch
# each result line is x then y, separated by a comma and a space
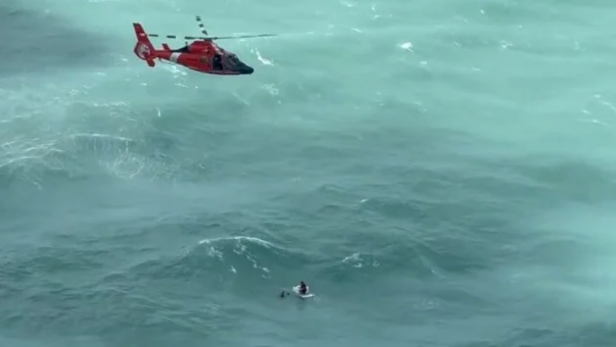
103, 312
72, 290
571, 181
600, 334
595, 334
34, 41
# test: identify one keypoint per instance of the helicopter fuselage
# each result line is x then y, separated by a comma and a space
201, 55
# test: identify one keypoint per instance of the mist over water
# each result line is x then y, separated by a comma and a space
439, 174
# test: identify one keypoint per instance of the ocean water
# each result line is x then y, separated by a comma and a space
441, 173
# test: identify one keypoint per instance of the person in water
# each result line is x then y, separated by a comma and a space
303, 288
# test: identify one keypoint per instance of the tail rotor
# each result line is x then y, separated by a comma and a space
144, 49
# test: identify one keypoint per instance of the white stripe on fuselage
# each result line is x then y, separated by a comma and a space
174, 57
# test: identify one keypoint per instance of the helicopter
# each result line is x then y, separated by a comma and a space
202, 55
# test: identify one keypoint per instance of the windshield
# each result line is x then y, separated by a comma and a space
232, 59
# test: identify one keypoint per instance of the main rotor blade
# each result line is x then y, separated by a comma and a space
206, 38
201, 26
178, 37
239, 36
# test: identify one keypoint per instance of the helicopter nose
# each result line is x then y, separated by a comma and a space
247, 70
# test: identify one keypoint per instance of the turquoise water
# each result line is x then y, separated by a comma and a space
440, 173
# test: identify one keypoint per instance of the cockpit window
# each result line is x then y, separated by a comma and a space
233, 59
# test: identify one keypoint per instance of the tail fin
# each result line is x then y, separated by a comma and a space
144, 49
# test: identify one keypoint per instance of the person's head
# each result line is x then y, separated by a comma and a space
302, 283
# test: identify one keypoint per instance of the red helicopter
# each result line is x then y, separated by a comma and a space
202, 55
